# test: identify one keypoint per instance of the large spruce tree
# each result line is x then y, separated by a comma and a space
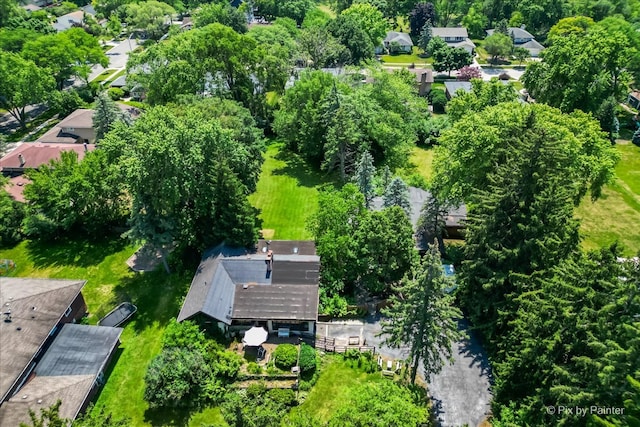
421, 316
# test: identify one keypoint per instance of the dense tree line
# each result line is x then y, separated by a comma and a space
339, 121
543, 308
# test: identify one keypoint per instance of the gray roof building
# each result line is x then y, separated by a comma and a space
70, 371
451, 87
31, 310
237, 284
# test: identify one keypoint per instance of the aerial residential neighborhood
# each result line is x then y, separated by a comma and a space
319, 213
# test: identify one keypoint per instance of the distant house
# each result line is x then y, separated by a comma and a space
69, 20
77, 127
633, 99
31, 155
455, 37
454, 222
523, 38
402, 41
424, 79
452, 87
274, 286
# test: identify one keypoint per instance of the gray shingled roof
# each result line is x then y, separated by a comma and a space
403, 39
515, 32
454, 86
36, 306
79, 350
449, 32
417, 199
290, 291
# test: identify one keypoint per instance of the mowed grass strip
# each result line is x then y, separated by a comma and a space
616, 215
287, 193
109, 281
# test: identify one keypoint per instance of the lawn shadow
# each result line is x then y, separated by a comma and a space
107, 374
81, 252
168, 416
298, 168
157, 295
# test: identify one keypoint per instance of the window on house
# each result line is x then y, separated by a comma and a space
67, 313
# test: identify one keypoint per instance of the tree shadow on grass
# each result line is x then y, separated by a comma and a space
178, 417
157, 295
298, 168
80, 252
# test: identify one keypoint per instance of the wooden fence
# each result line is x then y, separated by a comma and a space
329, 344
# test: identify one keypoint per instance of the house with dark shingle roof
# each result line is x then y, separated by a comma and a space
274, 285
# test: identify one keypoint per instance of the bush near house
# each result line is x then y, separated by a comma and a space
285, 356
438, 101
308, 358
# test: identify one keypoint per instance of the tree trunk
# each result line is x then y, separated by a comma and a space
164, 255
414, 370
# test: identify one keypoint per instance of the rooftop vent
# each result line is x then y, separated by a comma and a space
245, 286
25, 396
21, 158
264, 249
295, 250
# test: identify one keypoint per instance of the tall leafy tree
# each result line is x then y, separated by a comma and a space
222, 13
421, 316
11, 216
333, 227
22, 83
370, 20
183, 174
321, 48
364, 177
498, 45
386, 250
151, 16
69, 53
483, 94
397, 194
422, 14
349, 32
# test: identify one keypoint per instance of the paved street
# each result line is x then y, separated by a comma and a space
460, 392
118, 56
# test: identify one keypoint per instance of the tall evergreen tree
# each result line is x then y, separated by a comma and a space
106, 115
425, 36
365, 172
421, 316
432, 222
397, 194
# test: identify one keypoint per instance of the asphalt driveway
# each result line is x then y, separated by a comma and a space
460, 392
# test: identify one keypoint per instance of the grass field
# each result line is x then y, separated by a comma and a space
109, 281
616, 215
335, 382
406, 58
420, 164
287, 194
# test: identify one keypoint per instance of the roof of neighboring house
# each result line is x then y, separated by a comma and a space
417, 198
65, 22
449, 32
15, 187
30, 7
635, 94
419, 72
531, 44
67, 372
36, 307
82, 118
88, 9
464, 43
36, 154
119, 82
453, 86
78, 350
403, 39
233, 283
515, 32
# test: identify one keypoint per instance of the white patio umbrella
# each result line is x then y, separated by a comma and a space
255, 336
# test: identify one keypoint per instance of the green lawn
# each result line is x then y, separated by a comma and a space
109, 281
287, 194
406, 58
104, 75
616, 215
336, 379
420, 164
